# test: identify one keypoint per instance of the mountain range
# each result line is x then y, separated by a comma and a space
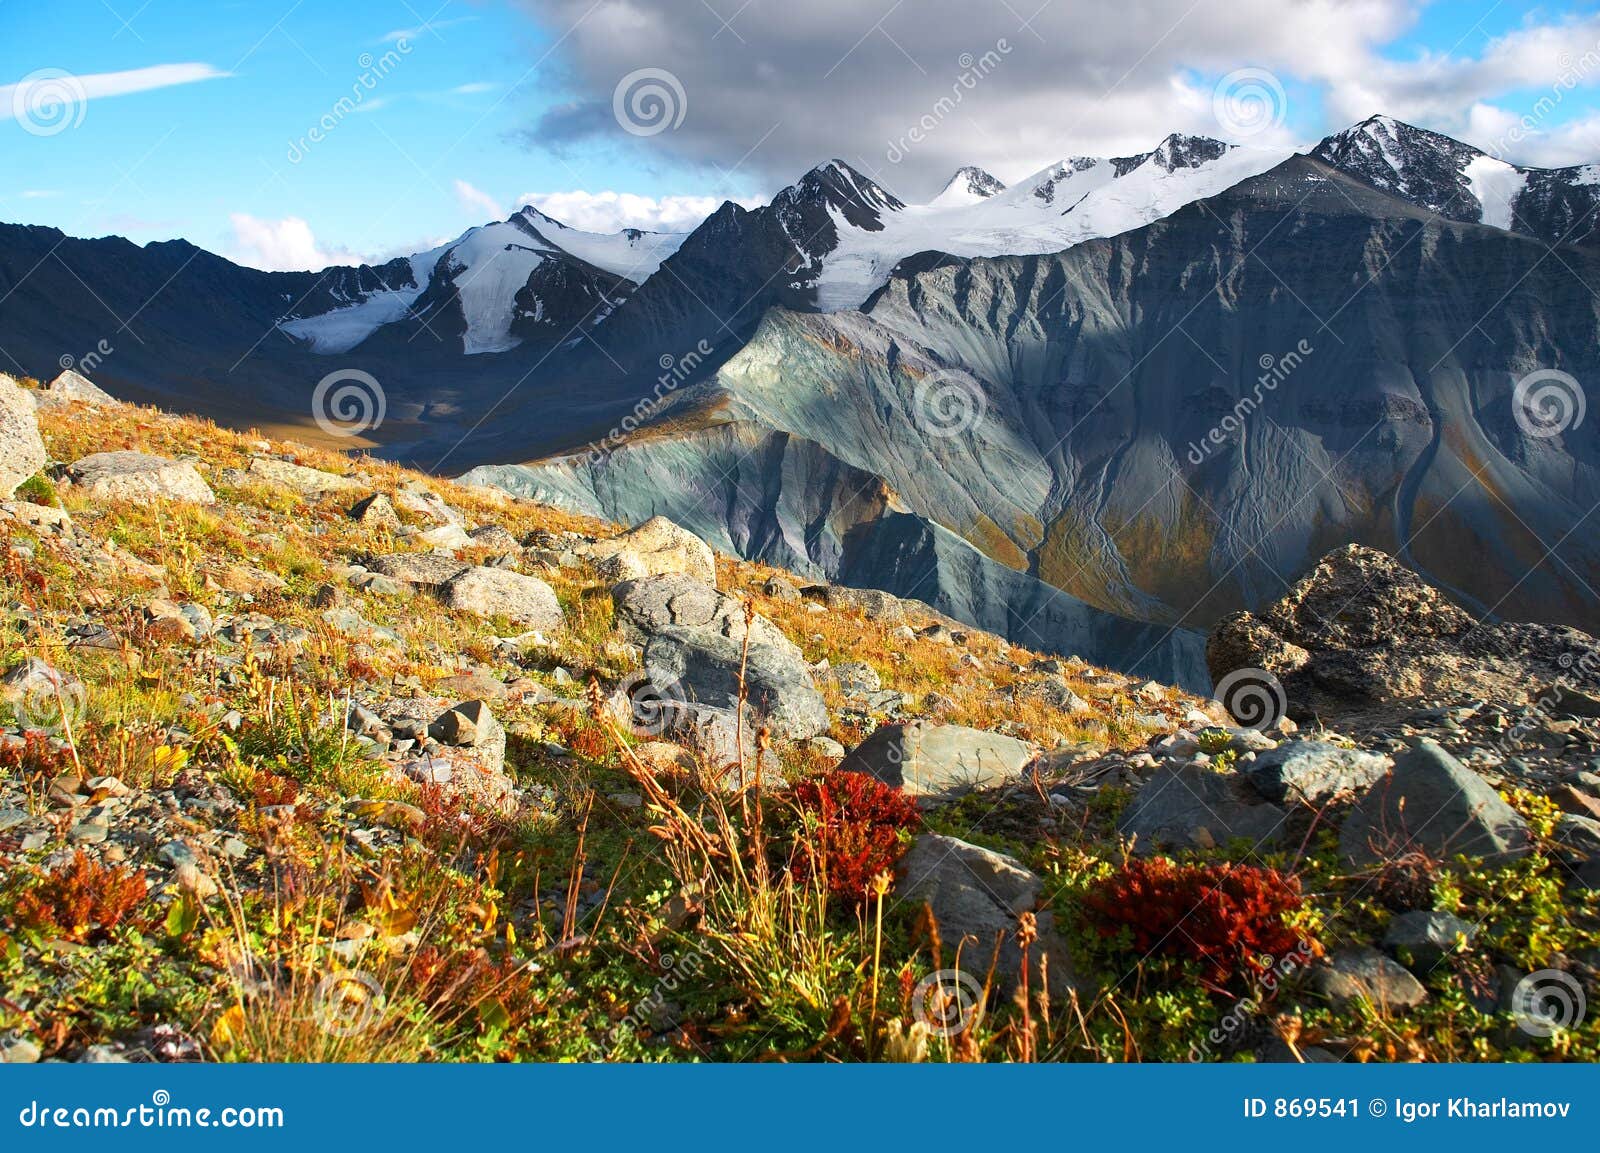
1093, 411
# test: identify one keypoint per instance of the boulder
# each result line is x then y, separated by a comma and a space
1314, 771
976, 896
704, 667
1193, 806
494, 592
310, 481
140, 476
70, 385
376, 512
493, 536
1422, 939
1359, 974
656, 548
1431, 802
936, 762
22, 451
420, 569
652, 605
874, 604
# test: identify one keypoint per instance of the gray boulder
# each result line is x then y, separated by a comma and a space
1192, 806
976, 896
1314, 771
704, 667
22, 452
310, 481
1352, 975
657, 604
494, 592
1423, 938
939, 762
140, 476
1431, 802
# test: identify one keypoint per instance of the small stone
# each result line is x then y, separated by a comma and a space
19, 1051
468, 723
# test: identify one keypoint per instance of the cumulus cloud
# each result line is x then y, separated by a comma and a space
908, 92
613, 211
285, 245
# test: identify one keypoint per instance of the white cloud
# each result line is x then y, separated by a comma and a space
58, 85
427, 28
613, 211
285, 245
476, 203
894, 93
474, 88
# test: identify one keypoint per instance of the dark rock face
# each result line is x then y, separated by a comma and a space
1361, 632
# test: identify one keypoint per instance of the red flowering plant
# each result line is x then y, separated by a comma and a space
852, 828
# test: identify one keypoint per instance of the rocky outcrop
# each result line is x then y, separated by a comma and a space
140, 476
1361, 633
74, 386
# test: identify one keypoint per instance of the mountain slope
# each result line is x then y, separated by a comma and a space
1093, 377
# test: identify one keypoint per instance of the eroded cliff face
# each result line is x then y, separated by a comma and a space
1162, 427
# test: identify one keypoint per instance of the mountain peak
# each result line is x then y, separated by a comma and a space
835, 184
969, 185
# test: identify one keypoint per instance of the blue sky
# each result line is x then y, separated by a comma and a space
196, 119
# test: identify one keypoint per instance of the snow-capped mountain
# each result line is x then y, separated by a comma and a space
1460, 182
494, 283
968, 186
1085, 198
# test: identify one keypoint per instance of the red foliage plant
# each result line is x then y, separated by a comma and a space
83, 898
857, 823
1230, 919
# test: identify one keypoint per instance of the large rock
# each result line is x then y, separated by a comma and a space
656, 548
420, 569
1423, 938
495, 592
140, 476
1353, 975
71, 385
694, 640
1194, 806
653, 605
1314, 771
1361, 632
939, 762
704, 667
1432, 803
310, 481
22, 452
976, 896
